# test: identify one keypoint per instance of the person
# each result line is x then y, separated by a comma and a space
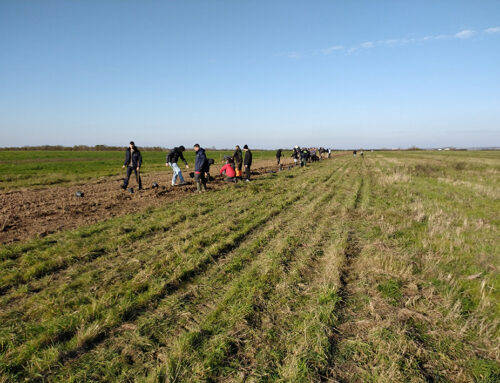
228, 169
296, 154
304, 156
354, 153
361, 154
133, 162
238, 161
247, 162
172, 158
278, 156
329, 152
200, 168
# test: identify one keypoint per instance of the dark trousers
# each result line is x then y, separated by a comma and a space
201, 181
131, 169
230, 179
278, 159
247, 172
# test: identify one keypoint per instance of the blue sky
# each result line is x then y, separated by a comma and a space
342, 74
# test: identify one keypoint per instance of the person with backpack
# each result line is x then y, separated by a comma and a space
172, 158
238, 161
133, 162
200, 168
247, 162
278, 156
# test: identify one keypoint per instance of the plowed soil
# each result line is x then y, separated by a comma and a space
37, 212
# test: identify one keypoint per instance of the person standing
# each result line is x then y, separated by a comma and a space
133, 162
247, 162
238, 161
200, 168
172, 158
304, 157
296, 154
278, 156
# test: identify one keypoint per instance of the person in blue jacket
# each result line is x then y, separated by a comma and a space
200, 168
133, 162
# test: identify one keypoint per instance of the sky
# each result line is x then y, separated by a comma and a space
340, 74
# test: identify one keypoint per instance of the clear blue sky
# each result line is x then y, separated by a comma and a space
267, 73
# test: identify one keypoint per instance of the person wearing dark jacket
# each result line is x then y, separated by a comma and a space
247, 162
304, 156
296, 154
133, 162
238, 161
200, 168
172, 158
278, 156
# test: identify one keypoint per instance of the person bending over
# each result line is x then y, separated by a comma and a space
228, 169
172, 158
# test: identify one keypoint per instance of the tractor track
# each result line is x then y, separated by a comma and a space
352, 250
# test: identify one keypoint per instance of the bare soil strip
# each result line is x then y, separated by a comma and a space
30, 213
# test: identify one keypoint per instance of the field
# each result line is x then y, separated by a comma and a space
376, 269
30, 168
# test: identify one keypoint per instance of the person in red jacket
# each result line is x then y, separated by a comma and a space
229, 170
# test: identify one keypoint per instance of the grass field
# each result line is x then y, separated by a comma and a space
22, 169
382, 269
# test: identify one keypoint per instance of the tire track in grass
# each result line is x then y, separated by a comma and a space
119, 273
46, 263
238, 306
351, 251
95, 332
279, 345
217, 280
74, 346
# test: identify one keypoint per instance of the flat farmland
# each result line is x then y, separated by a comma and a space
376, 269
21, 169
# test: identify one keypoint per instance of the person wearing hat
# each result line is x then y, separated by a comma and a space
133, 162
238, 161
247, 162
172, 158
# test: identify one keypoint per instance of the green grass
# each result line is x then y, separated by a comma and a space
377, 269
30, 168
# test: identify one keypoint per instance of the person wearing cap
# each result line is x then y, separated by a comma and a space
133, 162
201, 167
172, 158
247, 162
238, 161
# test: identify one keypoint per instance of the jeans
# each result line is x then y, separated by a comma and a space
247, 172
177, 173
131, 169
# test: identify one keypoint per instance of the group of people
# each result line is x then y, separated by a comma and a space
232, 169
305, 155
